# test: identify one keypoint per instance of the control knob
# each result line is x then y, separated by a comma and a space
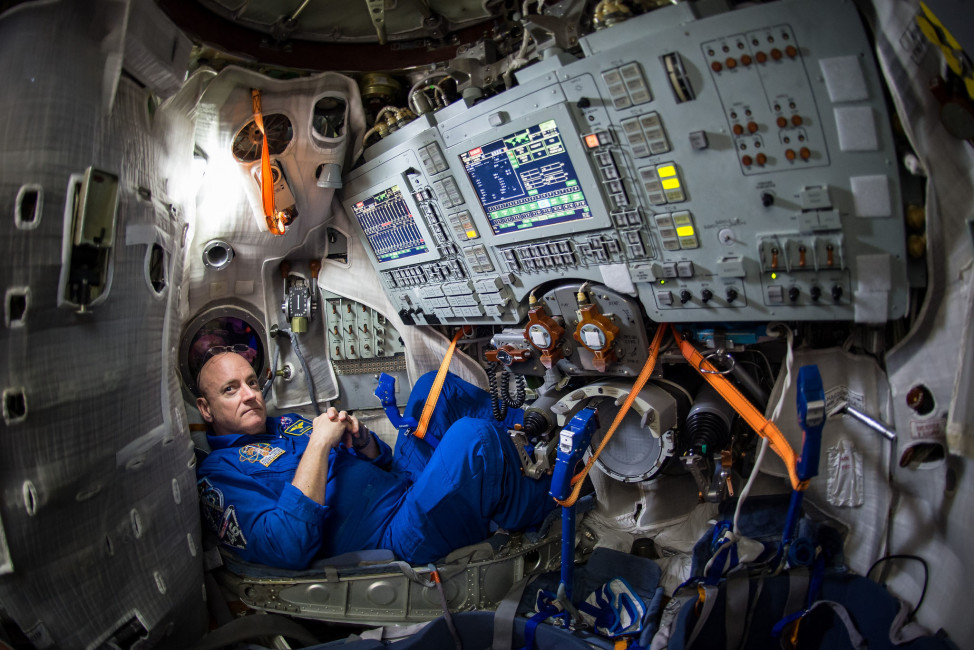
731, 294
685, 296
836, 292
706, 295
793, 294
815, 293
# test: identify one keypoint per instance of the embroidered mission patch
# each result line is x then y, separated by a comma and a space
286, 420
261, 453
230, 533
211, 502
299, 428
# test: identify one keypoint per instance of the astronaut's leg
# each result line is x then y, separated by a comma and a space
473, 478
457, 399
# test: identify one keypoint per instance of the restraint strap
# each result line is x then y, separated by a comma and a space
750, 611
435, 575
266, 182
431, 399
736, 601
708, 596
764, 427
858, 642
630, 398
504, 616
798, 593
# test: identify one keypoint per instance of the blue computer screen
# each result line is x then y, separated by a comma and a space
389, 225
526, 180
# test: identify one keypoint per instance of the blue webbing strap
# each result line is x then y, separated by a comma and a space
531, 627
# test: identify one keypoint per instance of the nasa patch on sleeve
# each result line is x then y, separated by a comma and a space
230, 533
211, 505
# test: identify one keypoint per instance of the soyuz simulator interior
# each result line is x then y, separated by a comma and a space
716, 193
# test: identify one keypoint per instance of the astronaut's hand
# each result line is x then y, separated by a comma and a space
356, 436
327, 431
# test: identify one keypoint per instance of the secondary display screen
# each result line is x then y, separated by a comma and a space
389, 226
526, 180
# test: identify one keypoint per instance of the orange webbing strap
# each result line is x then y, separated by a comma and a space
437, 386
266, 181
763, 426
630, 398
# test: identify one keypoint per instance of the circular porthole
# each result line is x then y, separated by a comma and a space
249, 140
226, 326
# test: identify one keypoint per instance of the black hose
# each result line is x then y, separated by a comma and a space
520, 386
498, 406
307, 373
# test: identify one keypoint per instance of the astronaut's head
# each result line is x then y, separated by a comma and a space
230, 398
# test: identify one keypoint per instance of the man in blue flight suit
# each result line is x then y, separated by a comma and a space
282, 491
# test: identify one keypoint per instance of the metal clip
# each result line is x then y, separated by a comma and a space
719, 354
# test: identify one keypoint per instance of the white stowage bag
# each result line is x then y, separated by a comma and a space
845, 475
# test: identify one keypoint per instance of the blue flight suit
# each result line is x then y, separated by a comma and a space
419, 504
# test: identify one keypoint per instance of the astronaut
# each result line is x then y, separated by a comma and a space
282, 491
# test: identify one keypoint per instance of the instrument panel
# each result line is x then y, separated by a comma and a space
738, 167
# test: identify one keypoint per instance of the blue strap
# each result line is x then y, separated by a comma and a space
606, 618
531, 627
386, 392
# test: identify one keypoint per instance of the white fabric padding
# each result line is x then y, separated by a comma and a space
845, 374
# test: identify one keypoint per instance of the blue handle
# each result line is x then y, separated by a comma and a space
386, 392
811, 416
572, 443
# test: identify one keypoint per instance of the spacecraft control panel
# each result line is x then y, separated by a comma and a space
735, 167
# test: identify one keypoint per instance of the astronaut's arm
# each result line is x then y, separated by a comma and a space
284, 530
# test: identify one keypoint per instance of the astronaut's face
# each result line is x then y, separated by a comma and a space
231, 401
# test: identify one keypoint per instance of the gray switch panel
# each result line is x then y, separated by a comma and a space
710, 157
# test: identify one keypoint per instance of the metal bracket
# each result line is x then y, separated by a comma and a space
377, 12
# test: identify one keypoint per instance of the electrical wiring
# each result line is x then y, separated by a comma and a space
419, 87
905, 556
775, 413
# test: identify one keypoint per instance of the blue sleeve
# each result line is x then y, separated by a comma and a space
384, 459
282, 530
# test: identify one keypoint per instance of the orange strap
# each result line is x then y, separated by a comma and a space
763, 426
434, 395
266, 179
630, 398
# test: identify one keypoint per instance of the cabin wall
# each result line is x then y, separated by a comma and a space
99, 507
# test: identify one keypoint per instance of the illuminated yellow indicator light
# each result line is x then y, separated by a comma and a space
774, 276
591, 141
471, 234
684, 231
671, 183
666, 171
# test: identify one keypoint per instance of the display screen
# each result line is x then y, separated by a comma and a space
389, 225
526, 180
